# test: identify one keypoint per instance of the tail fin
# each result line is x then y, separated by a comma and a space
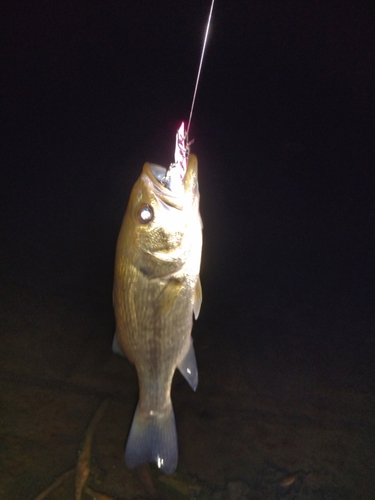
153, 438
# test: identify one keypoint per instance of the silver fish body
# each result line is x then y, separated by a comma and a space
156, 290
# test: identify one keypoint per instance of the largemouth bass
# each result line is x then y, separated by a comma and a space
156, 291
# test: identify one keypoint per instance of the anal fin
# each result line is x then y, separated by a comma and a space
188, 366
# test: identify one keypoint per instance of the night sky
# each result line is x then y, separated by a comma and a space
283, 128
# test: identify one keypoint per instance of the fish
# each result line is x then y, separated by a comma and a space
156, 292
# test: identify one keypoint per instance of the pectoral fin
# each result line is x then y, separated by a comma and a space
197, 298
169, 295
188, 366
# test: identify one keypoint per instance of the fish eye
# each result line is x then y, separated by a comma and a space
145, 214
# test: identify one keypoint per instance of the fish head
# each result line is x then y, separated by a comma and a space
161, 223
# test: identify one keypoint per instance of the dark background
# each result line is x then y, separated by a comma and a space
284, 134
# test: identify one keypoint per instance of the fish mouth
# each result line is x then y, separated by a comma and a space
167, 194
174, 184
159, 172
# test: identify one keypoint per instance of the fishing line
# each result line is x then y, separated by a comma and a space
200, 67
177, 170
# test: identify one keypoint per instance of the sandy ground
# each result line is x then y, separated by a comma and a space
283, 409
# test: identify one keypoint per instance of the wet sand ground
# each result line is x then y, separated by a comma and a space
284, 409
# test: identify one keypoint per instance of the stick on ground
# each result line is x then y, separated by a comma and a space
83, 464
